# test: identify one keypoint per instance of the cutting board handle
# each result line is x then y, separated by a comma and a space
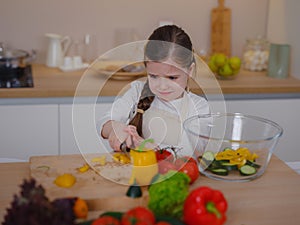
221, 4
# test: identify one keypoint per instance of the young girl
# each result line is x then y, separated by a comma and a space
158, 107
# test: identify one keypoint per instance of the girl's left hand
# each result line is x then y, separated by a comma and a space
134, 139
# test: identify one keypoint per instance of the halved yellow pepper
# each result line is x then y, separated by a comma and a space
144, 164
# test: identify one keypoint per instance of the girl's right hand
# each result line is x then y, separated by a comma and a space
117, 135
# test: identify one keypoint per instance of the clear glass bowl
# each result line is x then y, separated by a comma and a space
212, 134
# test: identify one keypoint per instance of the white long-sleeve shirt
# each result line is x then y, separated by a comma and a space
124, 108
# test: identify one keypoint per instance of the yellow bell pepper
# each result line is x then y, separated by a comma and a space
144, 164
121, 158
65, 180
101, 160
237, 157
84, 168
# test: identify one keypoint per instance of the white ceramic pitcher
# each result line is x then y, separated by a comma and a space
58, 46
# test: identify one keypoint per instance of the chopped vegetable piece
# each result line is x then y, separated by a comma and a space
65, 180
208, 156
220, 171
84, 168
101, 160
253, 164
121, 158
229, 166
247, 170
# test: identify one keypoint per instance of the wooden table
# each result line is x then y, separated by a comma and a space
273, 198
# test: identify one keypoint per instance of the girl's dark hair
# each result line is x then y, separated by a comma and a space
165, 42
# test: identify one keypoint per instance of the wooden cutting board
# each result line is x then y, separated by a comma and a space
221, 29
103, 187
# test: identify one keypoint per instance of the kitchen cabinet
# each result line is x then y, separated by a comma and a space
27, 130
48, 129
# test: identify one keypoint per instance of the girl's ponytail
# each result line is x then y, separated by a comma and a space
144, 103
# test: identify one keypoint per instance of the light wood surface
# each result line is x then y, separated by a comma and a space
274, 198
45, 169
51, 82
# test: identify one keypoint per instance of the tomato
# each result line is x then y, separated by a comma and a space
191, 169
164, 166
106, 220
138, 216
164, 154
179, 162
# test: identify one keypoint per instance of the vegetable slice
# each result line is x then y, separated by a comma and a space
208, 156
253, 164
229, 166
247, 170
220, 171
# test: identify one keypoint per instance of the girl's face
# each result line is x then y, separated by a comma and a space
167, 80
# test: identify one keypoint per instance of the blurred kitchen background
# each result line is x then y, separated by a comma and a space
103, 24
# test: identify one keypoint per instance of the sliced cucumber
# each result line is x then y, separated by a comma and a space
206, 159
219, 171
247, 170
229, 166
253, 164
208, 156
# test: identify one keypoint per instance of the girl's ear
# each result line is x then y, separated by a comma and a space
191, 69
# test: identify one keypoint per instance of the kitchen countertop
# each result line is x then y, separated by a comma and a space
274, 198
53, 83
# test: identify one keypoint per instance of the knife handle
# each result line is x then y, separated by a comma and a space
124, 147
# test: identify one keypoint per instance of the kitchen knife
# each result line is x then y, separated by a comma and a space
124, 148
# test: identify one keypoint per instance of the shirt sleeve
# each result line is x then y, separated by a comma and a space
123, 105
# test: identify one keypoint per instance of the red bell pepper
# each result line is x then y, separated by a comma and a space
205, 206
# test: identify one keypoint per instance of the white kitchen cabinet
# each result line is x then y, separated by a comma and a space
48, 129
78, 133
285, 112
28, 130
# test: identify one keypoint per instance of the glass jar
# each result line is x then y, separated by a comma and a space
256, 54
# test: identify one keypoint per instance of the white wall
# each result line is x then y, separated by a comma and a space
24, 23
